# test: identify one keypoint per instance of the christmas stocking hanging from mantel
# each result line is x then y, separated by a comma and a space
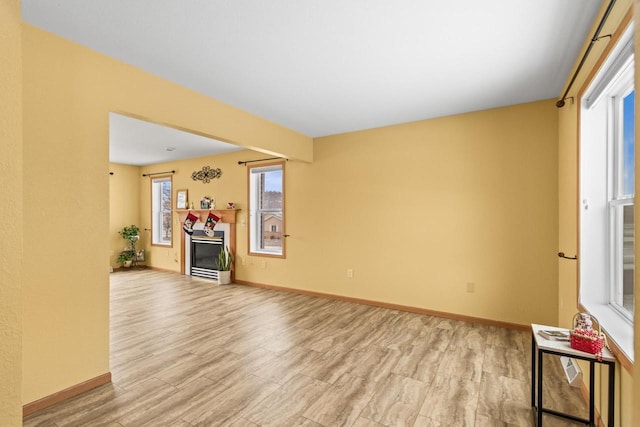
188, 223
212, 220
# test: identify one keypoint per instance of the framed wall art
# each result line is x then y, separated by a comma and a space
181, 199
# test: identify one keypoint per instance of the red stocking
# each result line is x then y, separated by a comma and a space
188, 223
212, 220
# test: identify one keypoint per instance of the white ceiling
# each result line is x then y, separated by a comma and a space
137, 142
323, 67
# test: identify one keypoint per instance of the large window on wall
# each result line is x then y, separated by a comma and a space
161, 211
266, 209
607, 176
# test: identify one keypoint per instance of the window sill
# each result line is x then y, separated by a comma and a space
163, 245
267, 254
618, 329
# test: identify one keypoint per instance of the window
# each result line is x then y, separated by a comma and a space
607, 174
266, 209
161, 210
621, 205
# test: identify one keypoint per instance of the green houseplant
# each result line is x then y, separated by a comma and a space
130, 235
125, 258
225, 259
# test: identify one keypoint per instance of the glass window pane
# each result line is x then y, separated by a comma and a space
166, 196
161, 211
166, 227
271, 239
271, 190
628, 143
628, 259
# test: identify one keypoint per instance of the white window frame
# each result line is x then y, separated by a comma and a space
255, 211
157, 212
602, 202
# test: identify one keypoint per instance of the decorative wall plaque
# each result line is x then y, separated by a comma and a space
206, 174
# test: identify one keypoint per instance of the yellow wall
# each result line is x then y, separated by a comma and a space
68, 92
124, 206
416, 210
568, 224
421, 209
11, 169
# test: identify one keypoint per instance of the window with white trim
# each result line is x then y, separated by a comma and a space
607, 174
622, 203
161, 211
266, 209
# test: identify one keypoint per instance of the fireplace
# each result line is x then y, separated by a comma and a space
226, 226
204, 253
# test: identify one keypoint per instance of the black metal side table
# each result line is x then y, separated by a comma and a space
541, 346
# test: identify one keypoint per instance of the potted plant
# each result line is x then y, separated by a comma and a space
125, 258
225, 259
131, 235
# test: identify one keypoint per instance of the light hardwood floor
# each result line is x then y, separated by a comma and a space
186, 352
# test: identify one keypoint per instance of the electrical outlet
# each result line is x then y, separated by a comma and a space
471, 287
350, 272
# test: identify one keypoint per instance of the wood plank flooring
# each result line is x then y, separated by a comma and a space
186, 352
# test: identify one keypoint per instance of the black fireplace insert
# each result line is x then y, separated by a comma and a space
204, 253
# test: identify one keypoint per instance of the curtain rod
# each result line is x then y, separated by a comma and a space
595, 38
158, 173
261, 160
